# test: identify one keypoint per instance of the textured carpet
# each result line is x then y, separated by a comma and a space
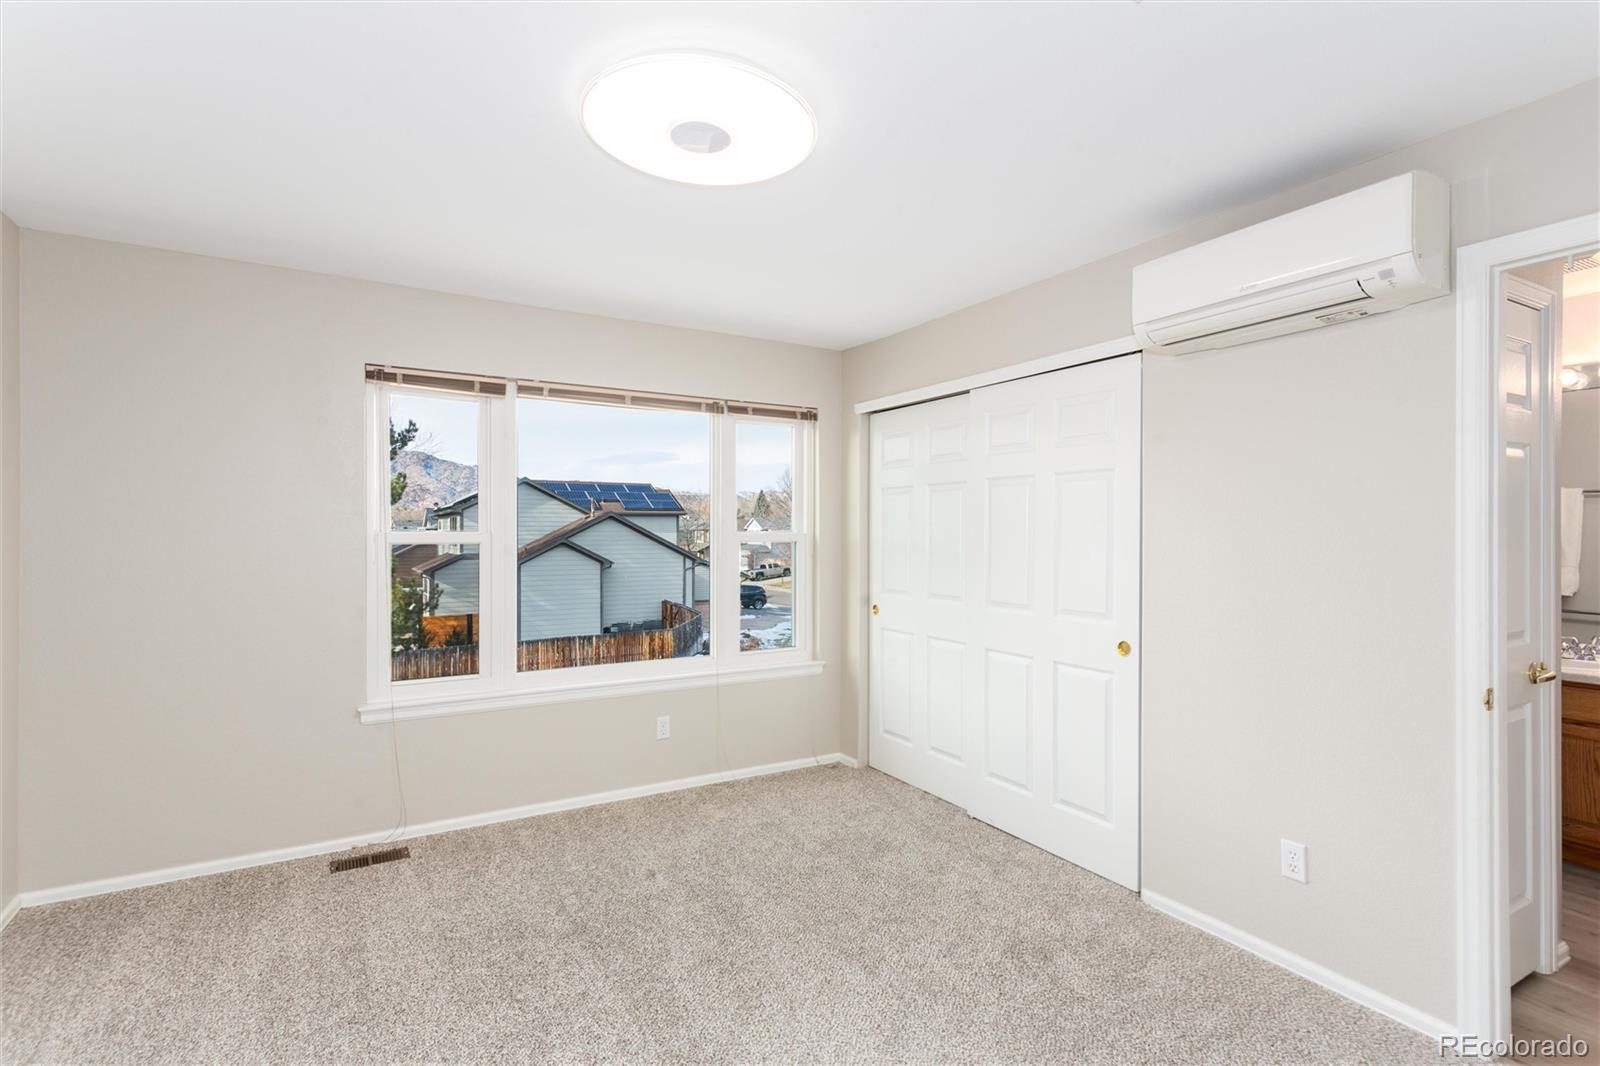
824, 915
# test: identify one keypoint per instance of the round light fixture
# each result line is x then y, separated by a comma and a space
1573, 378
701, 119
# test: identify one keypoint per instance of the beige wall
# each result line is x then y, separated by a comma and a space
193, 563
10, 364
1298, 570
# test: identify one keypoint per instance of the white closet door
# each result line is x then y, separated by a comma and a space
1056, 488
1004, 529
920, 691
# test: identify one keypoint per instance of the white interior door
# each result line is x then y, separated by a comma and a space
1057, 471
1005, 572
1528, 688
918, 521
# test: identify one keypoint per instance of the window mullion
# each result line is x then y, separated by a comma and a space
805, 550
431, 536
501, 460
378, 564
724, 549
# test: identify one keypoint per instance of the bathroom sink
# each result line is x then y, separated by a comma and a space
1580, 670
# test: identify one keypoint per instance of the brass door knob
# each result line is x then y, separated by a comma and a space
1539, 673
874, 608
1124, 649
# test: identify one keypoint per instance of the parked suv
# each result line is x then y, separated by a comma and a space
752, 596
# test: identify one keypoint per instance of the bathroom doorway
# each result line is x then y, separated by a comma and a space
1527, 378
1548, 929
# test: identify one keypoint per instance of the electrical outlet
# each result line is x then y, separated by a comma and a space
1292, 859
663, 727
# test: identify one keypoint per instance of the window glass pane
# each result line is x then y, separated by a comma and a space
613, 536
433, 611
766, 596
433, 462
764, 476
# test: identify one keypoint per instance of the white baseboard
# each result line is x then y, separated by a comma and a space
9, 911
40, 897
1370, 998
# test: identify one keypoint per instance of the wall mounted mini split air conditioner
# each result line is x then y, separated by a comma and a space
1363, 253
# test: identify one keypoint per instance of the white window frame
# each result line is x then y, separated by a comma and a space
382, 540
499, 685
800, 536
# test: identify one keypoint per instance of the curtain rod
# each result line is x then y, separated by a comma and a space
481, 384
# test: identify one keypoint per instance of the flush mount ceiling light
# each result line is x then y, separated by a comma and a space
701, 119
1573, 378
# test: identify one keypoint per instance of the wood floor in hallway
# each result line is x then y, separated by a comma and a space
1551, 1006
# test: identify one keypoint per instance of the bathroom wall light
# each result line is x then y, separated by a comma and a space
701, 119
1573, 378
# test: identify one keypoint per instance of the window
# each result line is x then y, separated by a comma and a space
613, 524
430, 483
764, 454
537, 539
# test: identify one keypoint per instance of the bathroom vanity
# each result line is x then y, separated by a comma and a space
1580, 763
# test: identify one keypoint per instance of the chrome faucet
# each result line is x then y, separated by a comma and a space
1585, 651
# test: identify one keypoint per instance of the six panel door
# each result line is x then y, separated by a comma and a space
1005, 566
919, 586
1056, 473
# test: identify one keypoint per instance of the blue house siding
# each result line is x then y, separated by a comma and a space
538, 513
558, 595
458, 585
664, 526
643, 572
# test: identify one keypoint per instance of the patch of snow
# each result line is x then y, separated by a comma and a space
779, 636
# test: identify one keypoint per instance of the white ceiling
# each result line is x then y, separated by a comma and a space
964, 149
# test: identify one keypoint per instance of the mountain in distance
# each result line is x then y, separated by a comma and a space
430, 482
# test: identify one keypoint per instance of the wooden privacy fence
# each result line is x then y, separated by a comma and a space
434, 662
682, 629
679, 635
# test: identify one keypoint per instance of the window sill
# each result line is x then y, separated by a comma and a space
405, 709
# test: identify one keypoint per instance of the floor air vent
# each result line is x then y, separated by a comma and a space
371, 858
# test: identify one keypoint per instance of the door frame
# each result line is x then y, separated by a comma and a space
858, 583
1483, 992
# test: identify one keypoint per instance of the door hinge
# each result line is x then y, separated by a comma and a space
1488, 699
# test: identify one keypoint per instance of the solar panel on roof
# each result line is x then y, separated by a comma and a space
633, 495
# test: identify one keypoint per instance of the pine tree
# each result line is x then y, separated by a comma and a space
398, 440
408, 603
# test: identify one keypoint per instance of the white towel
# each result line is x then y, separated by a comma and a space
1571, 538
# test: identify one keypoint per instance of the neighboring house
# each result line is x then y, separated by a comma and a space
592, 557
408, 560
753, 554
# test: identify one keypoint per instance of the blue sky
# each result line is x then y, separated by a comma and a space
569, 441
